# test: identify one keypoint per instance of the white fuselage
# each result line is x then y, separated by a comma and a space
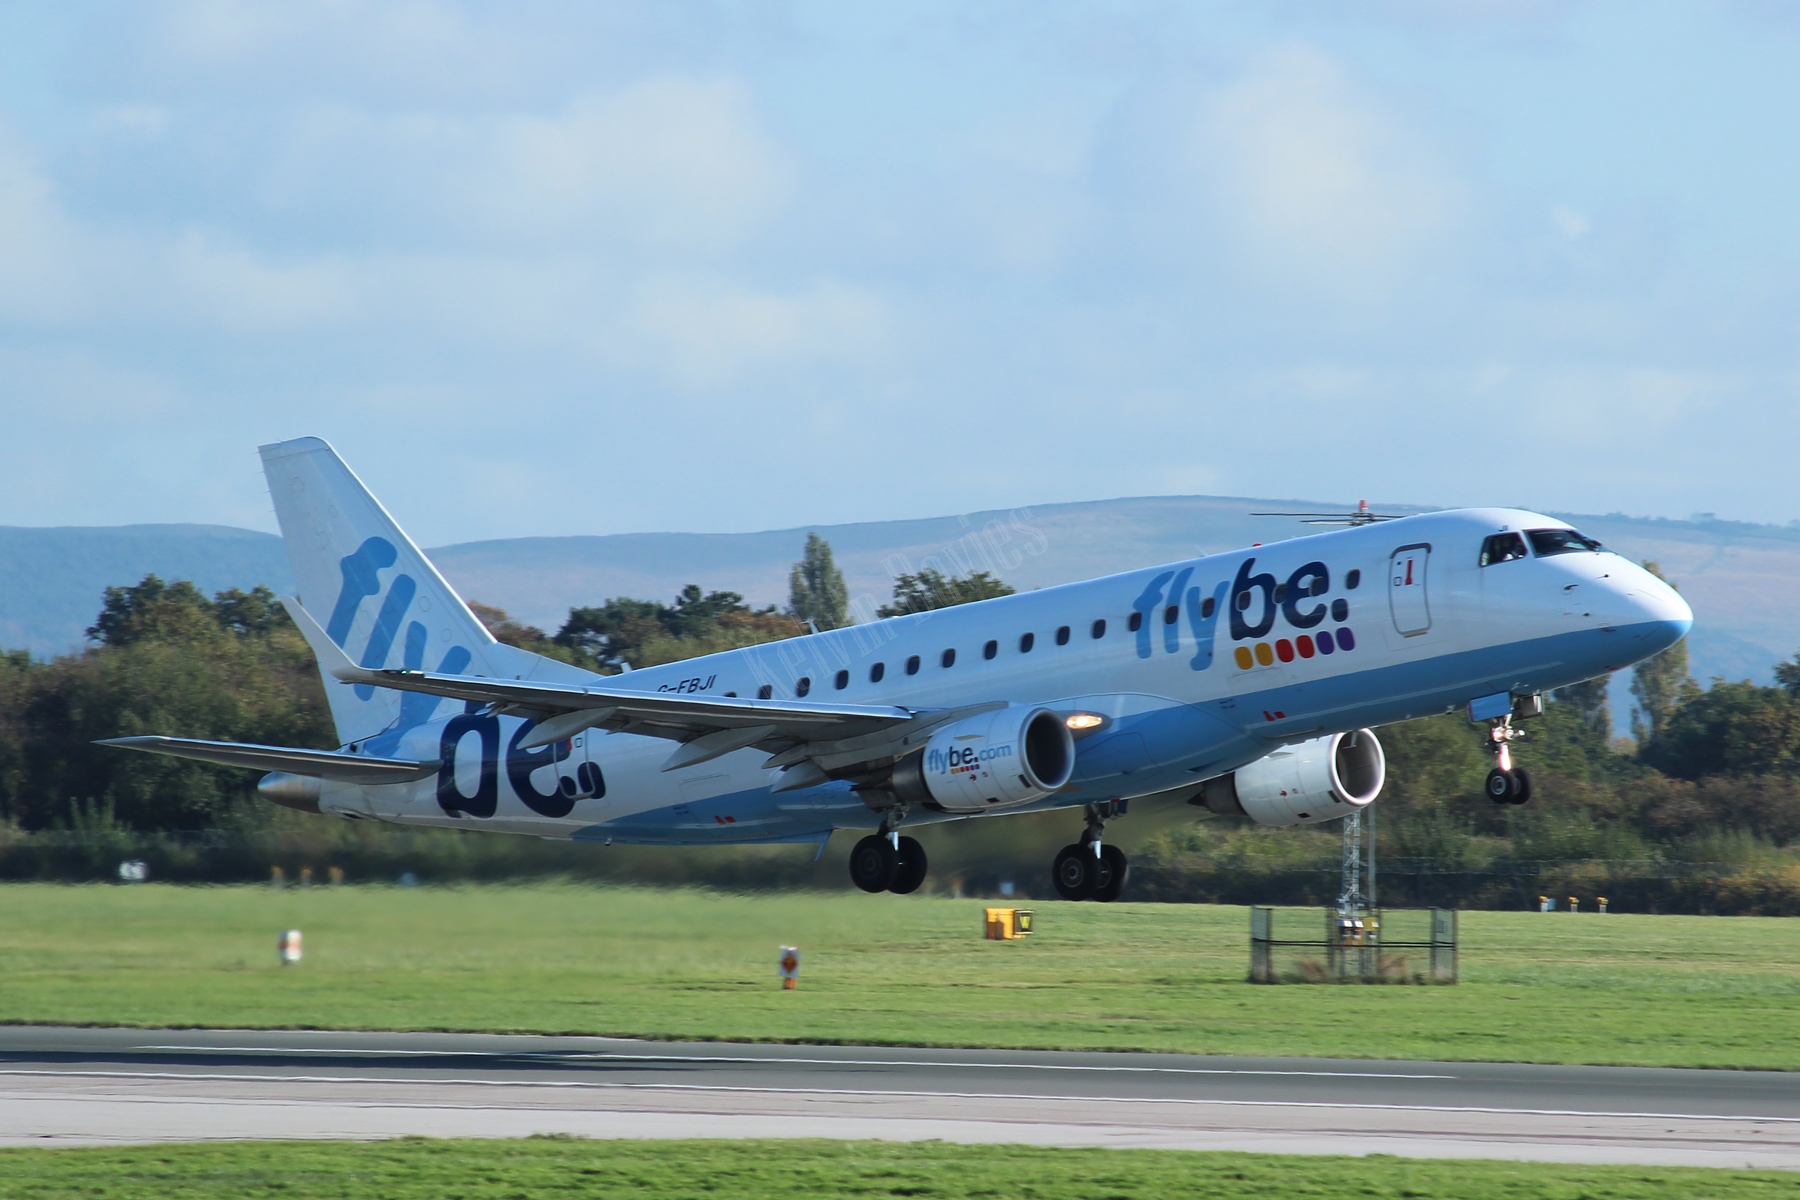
1232, 655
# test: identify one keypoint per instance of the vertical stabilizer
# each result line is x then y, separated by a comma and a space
377, 596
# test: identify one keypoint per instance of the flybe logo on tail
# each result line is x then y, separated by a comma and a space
362, 580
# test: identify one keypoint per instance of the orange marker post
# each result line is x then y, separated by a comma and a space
790, 967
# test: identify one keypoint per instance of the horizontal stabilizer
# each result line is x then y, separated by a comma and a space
325, 764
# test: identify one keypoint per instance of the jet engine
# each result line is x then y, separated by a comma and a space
1303, 784
1010, 756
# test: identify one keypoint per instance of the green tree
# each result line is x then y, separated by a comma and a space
1659, 684
610, 633
816, 590
167, 660
509, 632
152, 610
931, 589
1729, 729
644, 633
1787, 674
1589, 701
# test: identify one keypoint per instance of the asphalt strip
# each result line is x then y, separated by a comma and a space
107, 1087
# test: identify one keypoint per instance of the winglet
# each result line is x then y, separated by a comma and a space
336, 663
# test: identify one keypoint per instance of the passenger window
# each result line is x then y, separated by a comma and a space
1171, 614
1502, 547
1352, 578
1099, 630
1062, 635
1026, 642
912, 665
842, 681
1206, 608
1559, 541
1280, 593
948, 659
991, 649
876, 672
765, 691
1136, 623
1243, 600
1340, 609
803, 686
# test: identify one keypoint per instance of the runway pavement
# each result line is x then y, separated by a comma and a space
108, 1086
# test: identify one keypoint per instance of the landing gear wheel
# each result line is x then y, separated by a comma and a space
1116, 868
1074, 872
1501, 786
873, 864
910, 871
1521, 785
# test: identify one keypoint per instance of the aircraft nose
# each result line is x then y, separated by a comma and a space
1660, 616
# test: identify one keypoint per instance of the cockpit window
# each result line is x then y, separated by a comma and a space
1502, 547
1559, 541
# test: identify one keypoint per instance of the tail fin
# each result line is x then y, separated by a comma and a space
378, 597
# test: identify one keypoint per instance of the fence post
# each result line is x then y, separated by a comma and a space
1262, 932
1443, 945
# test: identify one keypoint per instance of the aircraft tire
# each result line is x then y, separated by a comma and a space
1117, 871
1073, 872
1521, 785
1501, 786
873, 864
910, 872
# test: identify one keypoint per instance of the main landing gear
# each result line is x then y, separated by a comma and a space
1506, 784
887, 862
1089, 870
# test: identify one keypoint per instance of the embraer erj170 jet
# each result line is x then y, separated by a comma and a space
1245, 682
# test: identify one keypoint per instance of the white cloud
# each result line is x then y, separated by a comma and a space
668, 165
706, 330
1568, 222
1146, 242
1318, 182
672, 163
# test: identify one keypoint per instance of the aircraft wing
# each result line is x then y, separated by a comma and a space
326, 764
792, 731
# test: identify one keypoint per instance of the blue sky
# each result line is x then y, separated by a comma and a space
587, 268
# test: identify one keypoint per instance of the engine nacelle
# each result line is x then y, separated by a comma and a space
1303, 784
1010, 756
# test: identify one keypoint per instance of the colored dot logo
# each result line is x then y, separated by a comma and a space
1304, 646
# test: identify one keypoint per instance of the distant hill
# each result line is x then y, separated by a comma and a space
51, 580
1740, 578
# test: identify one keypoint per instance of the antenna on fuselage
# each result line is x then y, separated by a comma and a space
1362, 516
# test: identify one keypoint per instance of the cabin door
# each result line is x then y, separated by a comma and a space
1406, 589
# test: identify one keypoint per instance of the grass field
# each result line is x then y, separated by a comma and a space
1648, 990
540, 1167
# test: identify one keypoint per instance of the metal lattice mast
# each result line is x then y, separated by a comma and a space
1351, 896
1373, 896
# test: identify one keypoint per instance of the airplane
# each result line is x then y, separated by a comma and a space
1246, 683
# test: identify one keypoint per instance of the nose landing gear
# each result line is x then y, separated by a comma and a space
1506, 784
1088, 869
